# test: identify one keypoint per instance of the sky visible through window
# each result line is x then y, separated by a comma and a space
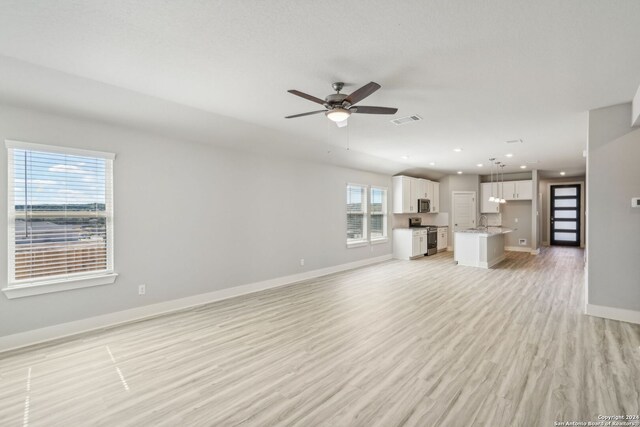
57, 179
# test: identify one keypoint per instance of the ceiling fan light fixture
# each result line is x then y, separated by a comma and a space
338, 114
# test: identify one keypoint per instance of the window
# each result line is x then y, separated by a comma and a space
366, 215
60, 218
378, 213
356, 214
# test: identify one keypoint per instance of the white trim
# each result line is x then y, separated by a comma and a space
517, 248
58, 285
357, 244
379, 240
621, 314
48, 333
20, 145
535, 251
492, 263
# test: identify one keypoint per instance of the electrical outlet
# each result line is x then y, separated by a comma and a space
523, 242
301, 262
142, 289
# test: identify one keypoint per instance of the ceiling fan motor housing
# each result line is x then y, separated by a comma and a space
335, 99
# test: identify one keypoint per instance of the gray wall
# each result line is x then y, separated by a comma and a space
520, 210
189, 218
613, 226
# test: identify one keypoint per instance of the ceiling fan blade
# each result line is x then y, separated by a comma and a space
306, 96
362, 93
361, 109
305, 114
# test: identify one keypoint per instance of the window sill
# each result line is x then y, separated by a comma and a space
357, 244
59, 285
379, 241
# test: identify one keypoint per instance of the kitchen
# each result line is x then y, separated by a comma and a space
425, 219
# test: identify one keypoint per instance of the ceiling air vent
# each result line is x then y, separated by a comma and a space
407, 119
514, 141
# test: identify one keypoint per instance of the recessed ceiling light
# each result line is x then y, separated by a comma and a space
432, 164
563, 173
523, 166
479, 165
509, 155
405, 157
459, 172
457, 150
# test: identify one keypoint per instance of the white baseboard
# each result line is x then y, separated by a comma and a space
37, 336
535, 251
613, 313
517, 248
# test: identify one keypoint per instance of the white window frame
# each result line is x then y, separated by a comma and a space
354, 243
367, 239
385, 216
19, 289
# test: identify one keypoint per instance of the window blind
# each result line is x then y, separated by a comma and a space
60, 214
378, 213
356, 213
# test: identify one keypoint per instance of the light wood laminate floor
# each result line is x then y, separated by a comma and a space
418, 343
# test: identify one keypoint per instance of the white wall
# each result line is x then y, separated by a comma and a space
189, 218
613, 226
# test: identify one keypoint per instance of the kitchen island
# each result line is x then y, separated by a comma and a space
479, 247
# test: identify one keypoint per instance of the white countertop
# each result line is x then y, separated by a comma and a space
489, 231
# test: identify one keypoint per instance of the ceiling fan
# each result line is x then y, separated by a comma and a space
338, 106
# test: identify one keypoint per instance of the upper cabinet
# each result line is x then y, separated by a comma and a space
407, 191
485, 192
509, 190
435, 199
524, 190
518, 190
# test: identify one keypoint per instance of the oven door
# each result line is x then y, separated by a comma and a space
424, 205
432, 241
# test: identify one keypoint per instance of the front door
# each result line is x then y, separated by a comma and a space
565, 215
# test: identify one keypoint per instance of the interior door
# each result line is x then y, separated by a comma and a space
565, 215
464, 210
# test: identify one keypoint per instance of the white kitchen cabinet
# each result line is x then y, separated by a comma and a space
485, 192
405, 199
508, 190
518, 190
435, 197
524, 190
422, 188
443, 238
407, 191
409, 243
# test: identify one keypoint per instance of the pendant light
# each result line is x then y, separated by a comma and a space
491, 198
502, 200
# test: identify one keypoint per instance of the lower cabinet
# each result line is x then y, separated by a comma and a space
409, 243
443, 238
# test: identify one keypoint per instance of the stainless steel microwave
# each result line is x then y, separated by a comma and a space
424, 205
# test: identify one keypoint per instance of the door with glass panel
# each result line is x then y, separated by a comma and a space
565, 215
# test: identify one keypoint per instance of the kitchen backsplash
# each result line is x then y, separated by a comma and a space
402, 220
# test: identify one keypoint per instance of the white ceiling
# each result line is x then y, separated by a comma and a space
479, 73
